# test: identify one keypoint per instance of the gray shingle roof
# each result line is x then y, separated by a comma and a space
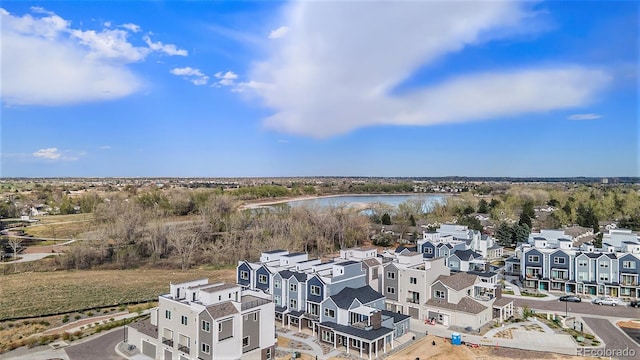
371, 262
214, 288
467, 254
397, 317
458, 281
286, 274
364, 294
218, 311
502, 302
146, 328
466, 304
360, 333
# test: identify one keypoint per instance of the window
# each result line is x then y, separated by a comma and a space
245, 341
276, 284
391, 275
439, 294
277, 300
604, 264
219, 327
583, 276
244, 275
206, 326
293, 287
582, 263
315, 290
558, 260
167, 314
628, 264
183, 320
267, 353
262, 279
534, 258
206, 348
330, 313
428, 250
453, 263
255, 316
391, 290
413, 280
293, 303
604, 277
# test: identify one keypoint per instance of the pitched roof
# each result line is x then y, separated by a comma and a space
466, 254
402, 247
286, 274
218, 311
502, 302
371, 262
458, 281
356, 332
364, 294
466, 304
146, 328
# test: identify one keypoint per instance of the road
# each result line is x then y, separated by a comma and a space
614, 339
583, 308
100, 348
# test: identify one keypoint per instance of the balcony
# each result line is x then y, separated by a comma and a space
362, 325
183, 348
413, 300
167, 342
253, 303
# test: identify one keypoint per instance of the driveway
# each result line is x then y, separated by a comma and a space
614, 338
99, 348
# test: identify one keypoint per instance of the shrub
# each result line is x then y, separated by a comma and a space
89, 313
77, 317
65, 319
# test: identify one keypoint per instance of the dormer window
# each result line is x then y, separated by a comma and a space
244, 275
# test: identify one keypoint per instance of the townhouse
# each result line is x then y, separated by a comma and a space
553, 264
449, 238
198, 320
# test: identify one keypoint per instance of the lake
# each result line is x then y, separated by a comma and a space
364, 202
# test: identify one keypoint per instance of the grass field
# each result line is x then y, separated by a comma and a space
37, 293
61, 226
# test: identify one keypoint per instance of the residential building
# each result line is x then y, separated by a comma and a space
197, 320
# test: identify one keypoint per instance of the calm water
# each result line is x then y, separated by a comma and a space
364, 201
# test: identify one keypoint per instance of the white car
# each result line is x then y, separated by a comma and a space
606, 300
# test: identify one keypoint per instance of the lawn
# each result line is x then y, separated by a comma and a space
61, 226
39, 293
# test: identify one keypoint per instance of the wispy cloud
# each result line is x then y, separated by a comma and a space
131, 27
342, 81
105, 147
584, 117
48, 153
279, 32
46, 61
282, 141
226, 79
194, 75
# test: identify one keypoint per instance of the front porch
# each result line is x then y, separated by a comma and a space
344, 339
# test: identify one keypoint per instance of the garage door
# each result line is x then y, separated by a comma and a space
149, 349
414, 313
167, 354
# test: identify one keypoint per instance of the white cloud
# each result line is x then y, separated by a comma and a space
107, 24
584, 117
47, 62
339, 70
194, 75
48, 153
226, 79
279, 32
131, 27
168, 49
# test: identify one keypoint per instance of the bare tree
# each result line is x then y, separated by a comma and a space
15, 242
186, 243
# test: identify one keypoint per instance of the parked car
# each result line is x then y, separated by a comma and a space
606, 300
635, 303
570, 298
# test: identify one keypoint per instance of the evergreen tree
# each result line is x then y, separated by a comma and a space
386, 219
504, 233
483, 207
412, 220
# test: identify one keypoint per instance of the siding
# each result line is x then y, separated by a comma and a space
314, 281
391, 282
263, 271
439, 286
251, 329
204, 336
247, 268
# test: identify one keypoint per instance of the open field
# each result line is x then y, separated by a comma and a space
61, 226
37, 293
443, 350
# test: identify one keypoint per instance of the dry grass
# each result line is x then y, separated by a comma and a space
29, 294
61, 226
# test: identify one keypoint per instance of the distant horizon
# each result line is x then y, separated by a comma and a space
274, 88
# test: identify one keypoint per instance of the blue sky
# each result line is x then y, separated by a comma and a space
226, 89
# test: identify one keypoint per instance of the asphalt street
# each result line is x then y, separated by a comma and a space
582, 308
100, 348
615, 340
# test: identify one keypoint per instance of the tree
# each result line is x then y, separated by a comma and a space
468, 210
483, 206
504, 234
15, 242
386, 219
185, 242
585, 216
412, 220
494, 203
520, 233
524, 220
597, 240
471, 222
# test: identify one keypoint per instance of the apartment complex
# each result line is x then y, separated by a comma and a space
201, 321
549, 261
332, 299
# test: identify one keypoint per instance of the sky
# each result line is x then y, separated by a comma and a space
319, 88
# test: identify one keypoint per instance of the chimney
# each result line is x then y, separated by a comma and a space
487, 267
376, 320
498, 292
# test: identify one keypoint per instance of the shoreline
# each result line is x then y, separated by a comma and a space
259, 204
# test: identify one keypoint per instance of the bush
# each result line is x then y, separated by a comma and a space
77, 317
65, 319
89, 313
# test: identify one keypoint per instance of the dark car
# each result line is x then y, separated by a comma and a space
570, 298
635, 303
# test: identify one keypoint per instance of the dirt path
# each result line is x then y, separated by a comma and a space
82, 322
